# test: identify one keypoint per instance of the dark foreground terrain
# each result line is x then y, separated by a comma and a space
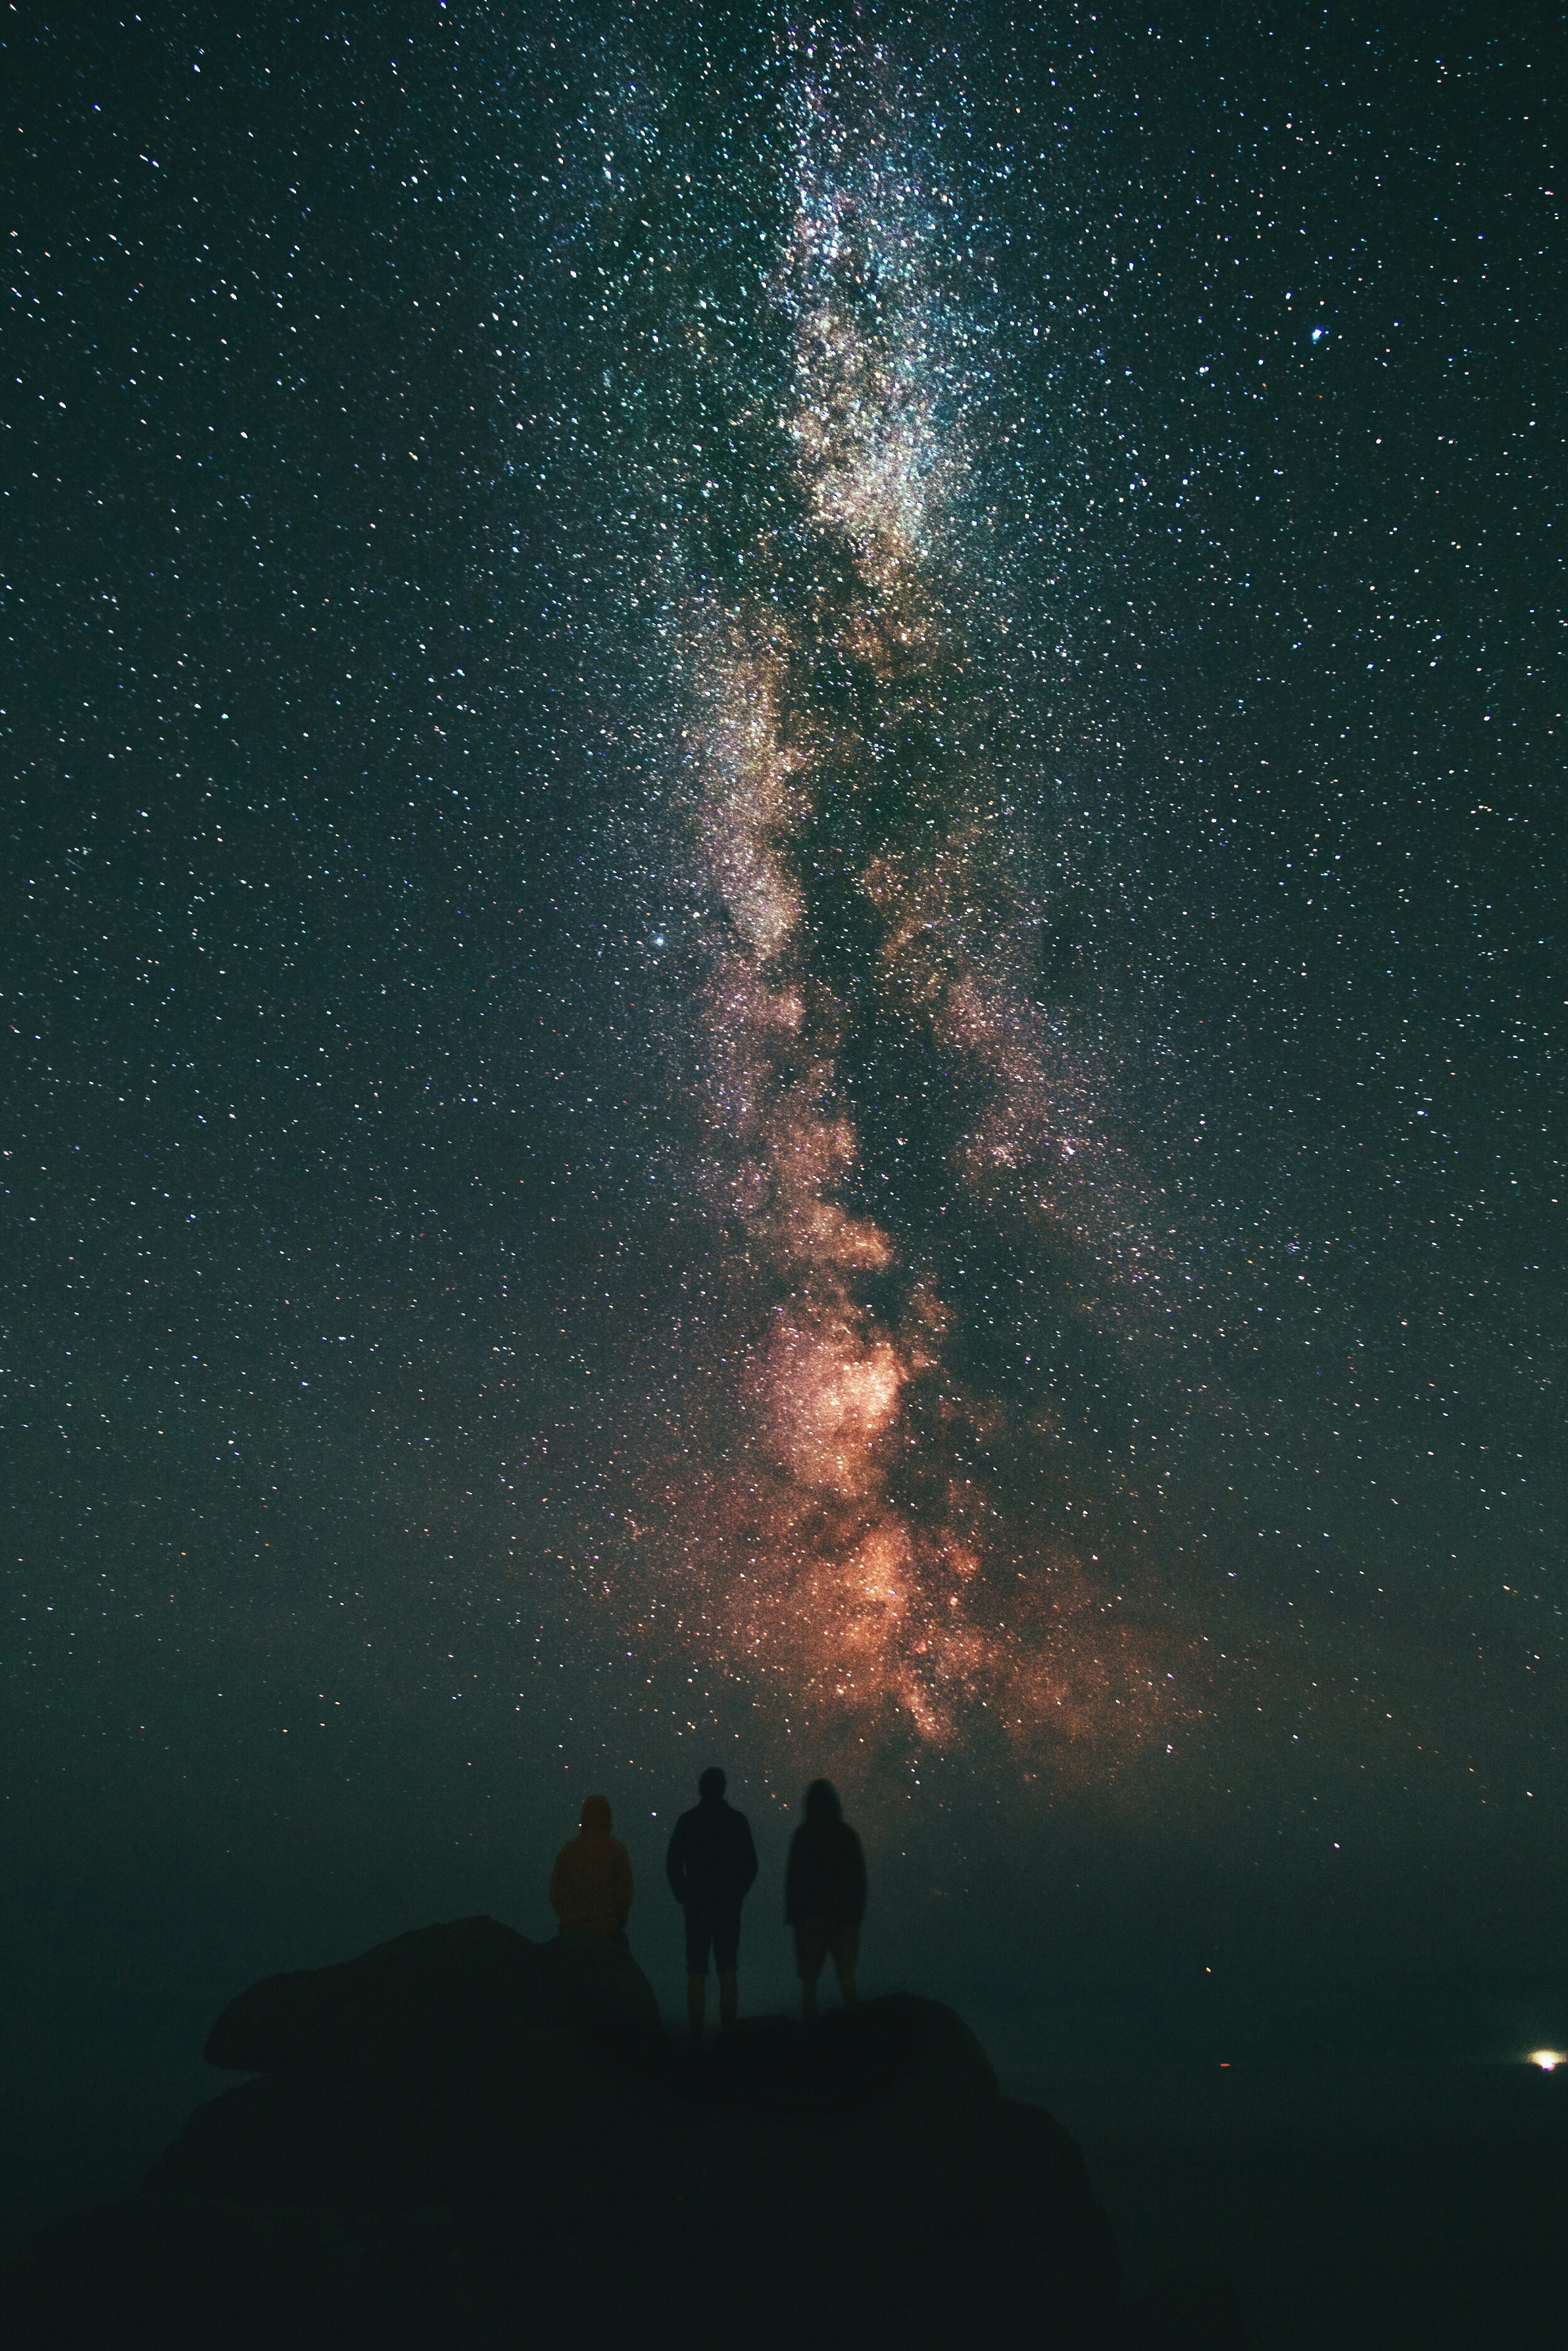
466, 2138
1366, 2208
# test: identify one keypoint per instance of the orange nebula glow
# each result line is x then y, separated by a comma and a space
846, 1549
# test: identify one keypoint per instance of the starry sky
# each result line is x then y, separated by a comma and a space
783, 963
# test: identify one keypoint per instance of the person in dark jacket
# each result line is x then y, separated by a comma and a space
824, 1895
711, 1866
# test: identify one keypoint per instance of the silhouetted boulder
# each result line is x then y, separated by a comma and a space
1186, 2310
464, 2138
444, 1997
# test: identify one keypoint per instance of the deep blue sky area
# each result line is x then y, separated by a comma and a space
999, 1234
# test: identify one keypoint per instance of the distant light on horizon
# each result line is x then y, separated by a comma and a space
1548, 2060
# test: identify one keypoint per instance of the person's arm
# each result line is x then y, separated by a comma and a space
747, 1858
675, 1863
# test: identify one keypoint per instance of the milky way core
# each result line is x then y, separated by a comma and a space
866, 966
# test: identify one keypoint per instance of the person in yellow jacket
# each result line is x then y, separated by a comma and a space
590, 1885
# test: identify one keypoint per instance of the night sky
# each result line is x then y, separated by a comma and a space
782, 956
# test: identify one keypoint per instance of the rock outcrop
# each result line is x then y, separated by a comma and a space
466, 2139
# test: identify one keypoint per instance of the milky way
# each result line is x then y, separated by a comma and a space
868, 959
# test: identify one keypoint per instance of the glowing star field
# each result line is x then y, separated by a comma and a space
780, 933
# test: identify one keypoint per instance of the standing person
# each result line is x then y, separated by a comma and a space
824, 1895
711, 1866
590, 1885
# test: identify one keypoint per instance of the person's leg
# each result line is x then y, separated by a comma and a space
699, 1934
811, 1951
846, 1952
726, 1952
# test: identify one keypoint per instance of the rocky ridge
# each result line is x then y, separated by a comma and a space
466, 2139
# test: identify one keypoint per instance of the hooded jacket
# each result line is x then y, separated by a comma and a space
824, 1885
590, 1885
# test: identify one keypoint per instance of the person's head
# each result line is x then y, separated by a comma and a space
596, 1814
711, 1784
822, 1802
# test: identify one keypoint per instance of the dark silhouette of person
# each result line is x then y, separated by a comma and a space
711, 1866
824, 1895
590, 1885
